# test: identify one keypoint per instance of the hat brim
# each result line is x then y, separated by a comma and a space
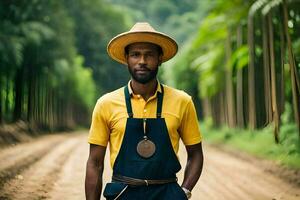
116, 47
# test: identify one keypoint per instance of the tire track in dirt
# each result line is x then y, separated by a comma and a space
70, 184
37, 180
15, 159
227, 181
223, 187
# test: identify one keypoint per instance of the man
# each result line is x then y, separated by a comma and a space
143, 122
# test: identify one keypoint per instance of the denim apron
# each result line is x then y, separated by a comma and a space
163, 164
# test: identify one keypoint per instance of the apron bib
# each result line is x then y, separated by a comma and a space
163, 164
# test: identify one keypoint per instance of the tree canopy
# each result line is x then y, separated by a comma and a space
53, 60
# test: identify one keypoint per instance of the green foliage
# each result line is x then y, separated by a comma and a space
74, 81
296, 50
213, 29
177, 74
208, 65
35, 32
96, 23
175, 17
260, 142
161, 10
11, 48
52, 56
204, 56
187, 21
240, 57
81, 80
210, 69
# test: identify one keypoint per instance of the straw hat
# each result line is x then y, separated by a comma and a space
141, 32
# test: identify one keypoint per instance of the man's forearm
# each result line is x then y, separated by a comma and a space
193, 167
93, 181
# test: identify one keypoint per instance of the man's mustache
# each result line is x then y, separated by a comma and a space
143, 67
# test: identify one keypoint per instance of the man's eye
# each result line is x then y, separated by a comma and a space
150, 54
134, 54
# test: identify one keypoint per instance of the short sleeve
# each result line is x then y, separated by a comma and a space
99, 130
189, 127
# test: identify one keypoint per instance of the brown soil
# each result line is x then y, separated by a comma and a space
53, 167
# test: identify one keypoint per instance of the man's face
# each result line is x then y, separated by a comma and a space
143, 60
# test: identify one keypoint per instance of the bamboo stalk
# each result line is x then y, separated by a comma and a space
273, 79
239, 85
251, 75
230, 103
266, 64
282, 56
294, 77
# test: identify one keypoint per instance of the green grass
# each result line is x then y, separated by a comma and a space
260, 143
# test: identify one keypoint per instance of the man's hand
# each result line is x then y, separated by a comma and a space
94, 171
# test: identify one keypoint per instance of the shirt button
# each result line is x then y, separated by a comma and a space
138, 96
145, 110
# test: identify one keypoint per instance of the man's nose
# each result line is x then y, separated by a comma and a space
142, 59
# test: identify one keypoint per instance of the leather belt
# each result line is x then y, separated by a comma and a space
141, 182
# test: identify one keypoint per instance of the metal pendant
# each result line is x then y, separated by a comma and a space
146, 148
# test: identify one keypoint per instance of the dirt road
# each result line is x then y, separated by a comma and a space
53, 167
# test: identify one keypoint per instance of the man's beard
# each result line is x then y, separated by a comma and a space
148, 76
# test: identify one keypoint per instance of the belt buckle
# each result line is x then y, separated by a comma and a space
146, 181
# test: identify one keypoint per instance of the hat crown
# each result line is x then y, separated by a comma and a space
142, 27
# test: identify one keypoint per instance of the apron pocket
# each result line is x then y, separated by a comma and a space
113, 189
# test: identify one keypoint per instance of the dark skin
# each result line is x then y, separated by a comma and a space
193, 166
142, 59
94, 171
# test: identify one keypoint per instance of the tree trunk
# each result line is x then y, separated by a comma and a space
293, 70
239, 85
7, 109
50, 109
222, 107
37, 99
282, 58
230, 103
206, 105
30, 98
18, 94
273, 79
42, 101
218, 109
251, 76
1, 100
267, 78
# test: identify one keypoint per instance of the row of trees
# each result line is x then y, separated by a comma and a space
246, 55
53, 62
238, 59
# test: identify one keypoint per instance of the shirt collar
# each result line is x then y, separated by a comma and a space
158, 89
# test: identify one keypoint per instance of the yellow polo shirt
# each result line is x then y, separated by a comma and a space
110, 115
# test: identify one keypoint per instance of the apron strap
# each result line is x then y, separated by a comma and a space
159, 102
160, 97
128, 102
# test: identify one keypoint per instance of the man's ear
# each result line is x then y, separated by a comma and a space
126, 57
